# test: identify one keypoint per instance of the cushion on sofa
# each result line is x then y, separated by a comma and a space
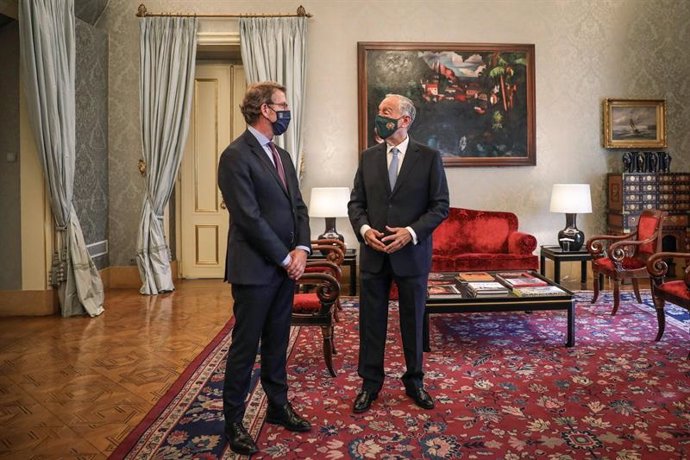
467, 231
482, 240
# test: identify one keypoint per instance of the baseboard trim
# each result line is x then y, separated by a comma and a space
127, 277
46, 303
29, 303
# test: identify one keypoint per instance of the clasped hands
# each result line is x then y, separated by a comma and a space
396, 239
298, 262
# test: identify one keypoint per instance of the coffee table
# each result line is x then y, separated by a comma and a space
465, 303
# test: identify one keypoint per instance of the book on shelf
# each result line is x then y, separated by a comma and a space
474, 277
520, 279
538, 291
440, 291
486, 289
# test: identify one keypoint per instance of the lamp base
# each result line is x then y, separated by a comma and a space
571, 238
330, 233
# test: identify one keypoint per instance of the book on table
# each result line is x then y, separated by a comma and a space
520, 279
467, 277
448, 277
444, 291
486, 289
538, 291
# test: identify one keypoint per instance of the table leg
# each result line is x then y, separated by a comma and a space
557, 271
542, 268
425, 344
583, 274
571, 325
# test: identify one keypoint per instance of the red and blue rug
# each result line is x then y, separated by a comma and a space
505, 387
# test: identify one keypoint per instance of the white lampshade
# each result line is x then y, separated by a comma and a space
571, 199
329, 201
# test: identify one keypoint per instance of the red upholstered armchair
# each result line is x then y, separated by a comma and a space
472, 240
675, 291
317, 306
624, 257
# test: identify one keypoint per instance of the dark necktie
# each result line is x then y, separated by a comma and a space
278, 164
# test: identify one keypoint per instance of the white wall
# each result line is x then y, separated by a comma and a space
586, 50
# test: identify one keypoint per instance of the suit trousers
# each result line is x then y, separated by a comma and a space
262, 312
373, 322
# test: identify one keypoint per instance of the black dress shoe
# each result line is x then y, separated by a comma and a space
420, 397
287, 417
363, 401
239, 440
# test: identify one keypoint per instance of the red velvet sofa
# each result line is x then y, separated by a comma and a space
472, 240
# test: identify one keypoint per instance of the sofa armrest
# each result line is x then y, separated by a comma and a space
521, 243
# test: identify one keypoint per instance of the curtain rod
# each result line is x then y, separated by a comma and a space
301, 12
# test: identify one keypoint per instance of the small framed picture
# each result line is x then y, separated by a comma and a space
634, 123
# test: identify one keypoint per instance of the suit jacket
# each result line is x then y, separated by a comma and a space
266, 221
419, 200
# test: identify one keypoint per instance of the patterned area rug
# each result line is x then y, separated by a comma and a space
505, 387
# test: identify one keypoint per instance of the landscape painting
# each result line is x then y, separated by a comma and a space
634, 123
475, 102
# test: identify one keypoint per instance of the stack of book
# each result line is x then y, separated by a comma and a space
466, 277
538, 291
486, 289
443, 291
520, 279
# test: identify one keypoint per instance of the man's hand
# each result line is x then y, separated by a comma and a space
298, 262
397, 239
373, 239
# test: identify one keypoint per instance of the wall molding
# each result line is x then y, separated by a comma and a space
29, 303
46, 302
127, 277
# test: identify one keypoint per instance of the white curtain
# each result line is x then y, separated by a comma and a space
167, 59
276, 49
47, 44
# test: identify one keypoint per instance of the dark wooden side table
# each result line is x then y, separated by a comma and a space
350, 260
558, 255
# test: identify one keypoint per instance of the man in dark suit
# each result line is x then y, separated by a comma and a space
268, 244
400, 196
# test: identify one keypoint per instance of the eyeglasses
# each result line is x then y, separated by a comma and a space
282, 105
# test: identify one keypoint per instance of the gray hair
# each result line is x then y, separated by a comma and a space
405, 105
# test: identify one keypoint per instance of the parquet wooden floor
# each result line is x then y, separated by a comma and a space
75, 387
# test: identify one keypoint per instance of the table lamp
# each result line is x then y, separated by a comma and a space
571, 199
330, 203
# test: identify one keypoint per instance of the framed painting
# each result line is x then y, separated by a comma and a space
475, 102
634, 123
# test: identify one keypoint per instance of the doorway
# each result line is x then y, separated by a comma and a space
215, 120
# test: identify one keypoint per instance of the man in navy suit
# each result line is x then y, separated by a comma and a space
268, 244
400, 196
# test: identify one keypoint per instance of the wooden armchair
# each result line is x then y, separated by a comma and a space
334, 250
316, 306
675, 291
622, 257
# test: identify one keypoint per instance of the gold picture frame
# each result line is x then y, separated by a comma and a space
634, 123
